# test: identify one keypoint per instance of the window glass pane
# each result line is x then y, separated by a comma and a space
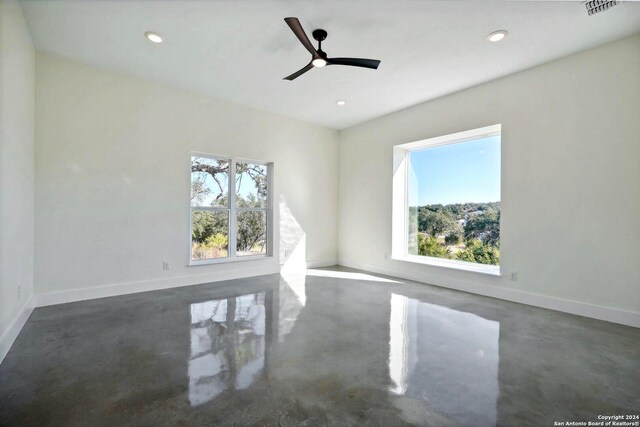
251, 185
209, 182
209, 234
252, 233
454, 201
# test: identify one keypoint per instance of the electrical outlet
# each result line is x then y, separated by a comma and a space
166, 265
287, 253
514, 275
386, 256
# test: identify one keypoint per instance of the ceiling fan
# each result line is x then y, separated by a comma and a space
319, 57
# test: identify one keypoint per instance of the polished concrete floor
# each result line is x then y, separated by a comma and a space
334, 347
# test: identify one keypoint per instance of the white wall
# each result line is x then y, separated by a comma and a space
16, 173
570, 183
112, 158
112, 181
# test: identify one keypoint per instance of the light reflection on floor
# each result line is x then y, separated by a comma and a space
436, 352
227, 345
335, 347
347, 275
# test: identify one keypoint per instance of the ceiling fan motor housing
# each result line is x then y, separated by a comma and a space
319, 34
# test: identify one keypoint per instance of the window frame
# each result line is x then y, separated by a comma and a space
233, 210
400, 200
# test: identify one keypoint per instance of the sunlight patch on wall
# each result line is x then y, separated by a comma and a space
292, 240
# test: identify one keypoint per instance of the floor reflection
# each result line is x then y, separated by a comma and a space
292, 299
227, 345
317, 349
445, 358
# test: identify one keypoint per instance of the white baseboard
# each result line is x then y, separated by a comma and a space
608, 314
82, 294
11, 333
51, 298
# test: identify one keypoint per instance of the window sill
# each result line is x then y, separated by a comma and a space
227, 260
491, 270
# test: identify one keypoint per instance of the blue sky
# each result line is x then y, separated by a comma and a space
456, 173
246, 187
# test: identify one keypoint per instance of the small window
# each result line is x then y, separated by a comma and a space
251, 205
230, 209
446, 201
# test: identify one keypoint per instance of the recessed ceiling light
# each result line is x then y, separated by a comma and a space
341, 102
319, 62
496, 36
154, 37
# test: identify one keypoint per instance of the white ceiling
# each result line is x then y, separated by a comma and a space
239, 50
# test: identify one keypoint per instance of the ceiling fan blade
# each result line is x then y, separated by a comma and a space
299, 72
296, 27
355, 62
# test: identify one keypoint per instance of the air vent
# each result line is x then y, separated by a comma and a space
598, 6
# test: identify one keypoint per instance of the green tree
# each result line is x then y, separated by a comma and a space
199, 190
216, 169
429, 246
478, 252
436, 223
207, 223
453, 238
251, 230
258, 175
251, 201
217, 242
484, 227
209, 180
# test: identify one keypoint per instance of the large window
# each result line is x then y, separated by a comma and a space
446, 201
230, 209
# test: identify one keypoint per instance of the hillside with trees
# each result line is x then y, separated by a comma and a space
462, 231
